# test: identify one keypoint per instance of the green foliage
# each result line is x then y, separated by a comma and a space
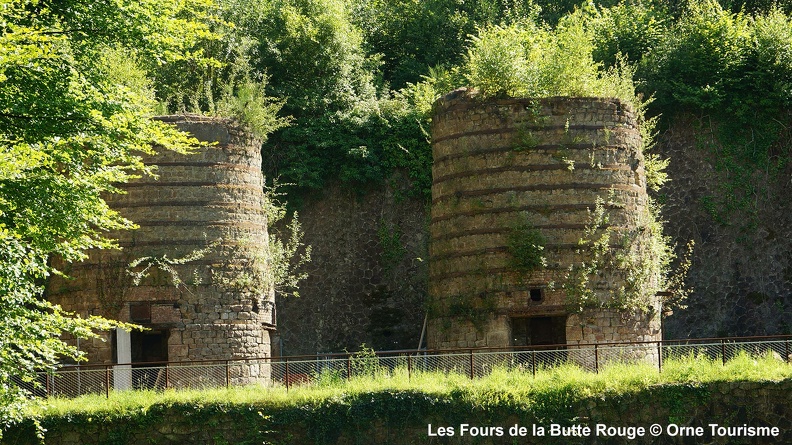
403, 403
333, 66
639, 257
368, 145
530, 60
526, 246
142, 267
227, 83
430, 33
312, 53
629, 30
734, 70
365, 362
696, 61
341, 127
468, 307
278, 266
74, 116
390, 241
286, 254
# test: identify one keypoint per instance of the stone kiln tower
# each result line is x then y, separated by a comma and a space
537, 168
201, 222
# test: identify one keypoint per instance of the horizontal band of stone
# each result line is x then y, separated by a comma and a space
532, 208
222, 165
197, 243
529, 168
503, 249
523, 127
159, 184
504, 230
199, 262
436, 278
210, 223
468, 100
151, 204
538, 187
511, 149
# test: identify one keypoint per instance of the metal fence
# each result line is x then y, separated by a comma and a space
71, 381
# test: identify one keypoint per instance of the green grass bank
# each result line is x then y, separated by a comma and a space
747, 398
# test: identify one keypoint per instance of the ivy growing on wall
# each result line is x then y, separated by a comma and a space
639, 257
525, 245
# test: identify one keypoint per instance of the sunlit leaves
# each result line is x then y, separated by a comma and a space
74, 117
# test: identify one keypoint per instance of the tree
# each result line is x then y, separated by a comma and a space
75, 112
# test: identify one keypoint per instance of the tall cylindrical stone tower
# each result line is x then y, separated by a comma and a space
200, 249
514, 219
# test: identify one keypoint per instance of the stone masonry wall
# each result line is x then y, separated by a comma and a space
209, 201
545, 163
367, 275
741, 273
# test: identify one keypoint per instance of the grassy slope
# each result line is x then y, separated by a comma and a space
500, 385
393, 403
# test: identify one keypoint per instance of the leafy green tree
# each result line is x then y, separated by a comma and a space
413, 35
630, 29
312, 54
75, 112
531, 60
228, 84
342, 126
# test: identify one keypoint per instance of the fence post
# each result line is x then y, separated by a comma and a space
471, 364
596, 358
723, 352
409, 366
167, 375
47, 382
349, 366
533, 363
287, 374
228, 374
660, 356
107, 381
786, 355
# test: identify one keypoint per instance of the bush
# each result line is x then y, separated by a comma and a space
529, 60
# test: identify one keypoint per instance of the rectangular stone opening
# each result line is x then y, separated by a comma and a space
545, 335
149, 347
538, 331
140, 312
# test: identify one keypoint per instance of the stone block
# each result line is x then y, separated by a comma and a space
164, 313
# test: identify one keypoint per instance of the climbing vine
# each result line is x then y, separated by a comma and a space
640, 258
390, 240
525, 245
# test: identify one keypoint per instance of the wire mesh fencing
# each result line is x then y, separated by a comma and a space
73, 381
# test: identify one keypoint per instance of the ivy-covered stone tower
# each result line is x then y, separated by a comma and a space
540, 228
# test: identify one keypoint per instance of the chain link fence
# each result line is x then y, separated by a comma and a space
73, 381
